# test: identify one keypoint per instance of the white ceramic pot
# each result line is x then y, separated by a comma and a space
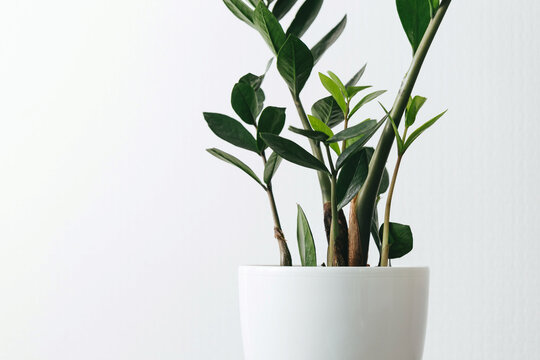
345, 313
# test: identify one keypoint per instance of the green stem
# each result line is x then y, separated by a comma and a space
334, 226
285, 254
385, 247
324, 182
368, 193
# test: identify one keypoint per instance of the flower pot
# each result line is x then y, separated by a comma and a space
341, 313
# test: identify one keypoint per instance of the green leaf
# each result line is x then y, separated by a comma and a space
304, 17
318, 125
433, 6
421, 129
339, 83
413, 106
357, 146
385, 182
240, 10
269, 27
311, 134
356, 78
348, 186
293, 152
306, 245
259, 95
353, 90
328, 40
282, 7
231, 131
255, 81
374, 229
415, 16
271, 167
400, 239
328, 111
365, 100
365, 127
244, 102
295, 63
222, 155
254, 2
271, 121
335, 91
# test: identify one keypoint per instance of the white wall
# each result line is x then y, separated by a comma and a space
120, 236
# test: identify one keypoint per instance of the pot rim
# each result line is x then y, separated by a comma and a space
275, 270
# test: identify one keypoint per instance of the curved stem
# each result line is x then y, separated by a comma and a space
331, 259
385, 247
368, 193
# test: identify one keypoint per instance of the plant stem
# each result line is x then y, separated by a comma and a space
385, 247
324, 182
334, 227
346, 124
285, 254
368, 193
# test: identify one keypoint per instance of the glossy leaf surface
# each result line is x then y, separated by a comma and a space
271, 121
304, 17
241, 10
244, 102
306, 244
334, 89
413, 106
282, 7
269, 27
231, 131
222, 155
400, 239
318, 125
415, 16
272, 164
365, 127
295, 63
328, 40
365, 100
328, 111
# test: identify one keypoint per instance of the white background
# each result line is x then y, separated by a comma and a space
120, 236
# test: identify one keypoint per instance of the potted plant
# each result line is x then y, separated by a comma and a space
343, 309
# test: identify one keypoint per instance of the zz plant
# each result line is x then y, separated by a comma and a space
349, 172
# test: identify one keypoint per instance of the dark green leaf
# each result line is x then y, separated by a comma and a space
318, 125
255, 81
244, 102
271, 121
295, 63
254, 2
385, 182
282, 7
334, 89
415, 16
271, 167
374, 229
231, 131
400, 239
365, 100
421, 129
357, 146
353, 90
304, 17
293, 152
269, 27
306, 245
353, 183
328, 111
259, 94
413, 106
365, 127
356, 78
222, 155
328, 40
240, 10
311, 134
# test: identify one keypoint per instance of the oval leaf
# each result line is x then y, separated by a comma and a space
293, 152
328, 40
271, 167
328, 111
415, 16
353, 176
244, 102
334, 89
365, 100
306, 245
222, 155
357, 146
304, 17
400, 239
413, 106
231, 131
271, 121
240, 10
269, 27
318, 125
295, 63
311, 134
